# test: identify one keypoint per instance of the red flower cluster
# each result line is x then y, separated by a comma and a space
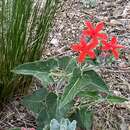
94, 34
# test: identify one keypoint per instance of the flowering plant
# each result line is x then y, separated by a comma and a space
94, 34
65, 81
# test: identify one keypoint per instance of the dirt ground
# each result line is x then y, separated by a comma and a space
66, 30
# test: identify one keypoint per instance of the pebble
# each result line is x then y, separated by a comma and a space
54, 42
114, 22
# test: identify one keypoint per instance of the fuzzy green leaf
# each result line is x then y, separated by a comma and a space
95, 82
88, 80
116, 99
93, 95
44, 104
39, 69
72, 88
42, 69
86, 118
14, 129
48, 112
35, 102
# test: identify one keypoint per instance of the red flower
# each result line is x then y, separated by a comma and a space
84, 49
23, 128
94, 32
112, 46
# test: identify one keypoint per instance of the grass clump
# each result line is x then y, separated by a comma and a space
24, 27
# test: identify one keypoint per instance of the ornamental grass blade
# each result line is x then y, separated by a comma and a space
24, 28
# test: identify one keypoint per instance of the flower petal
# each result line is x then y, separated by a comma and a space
83, 43
89, 25
113, 40
104, 42
86, 32
105, 48
23, 128
99, 26
120, 46
92, 54
102, 35
32, 128
75, 47
81, 57
93, 43
115, 53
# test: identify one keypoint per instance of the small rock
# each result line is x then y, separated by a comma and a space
126, 11
61, 50
118, 12
106, 19
129, 128
114, 22
117, 93
54, 42
21, 109
128, 27
123, 65
61, 26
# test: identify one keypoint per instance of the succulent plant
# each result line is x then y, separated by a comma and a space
64, 124
89, 3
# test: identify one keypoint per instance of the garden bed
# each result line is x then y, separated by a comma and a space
67, 27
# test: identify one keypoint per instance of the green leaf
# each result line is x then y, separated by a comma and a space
116, 99
51, 104
72, 88
39, 69
70, 64
42, 120
67, 63
64, 111
35, 102
86, 118
44, 104
42, 69
92, 62
14, 129
93, 95
89, 79
48, 111
95, 82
